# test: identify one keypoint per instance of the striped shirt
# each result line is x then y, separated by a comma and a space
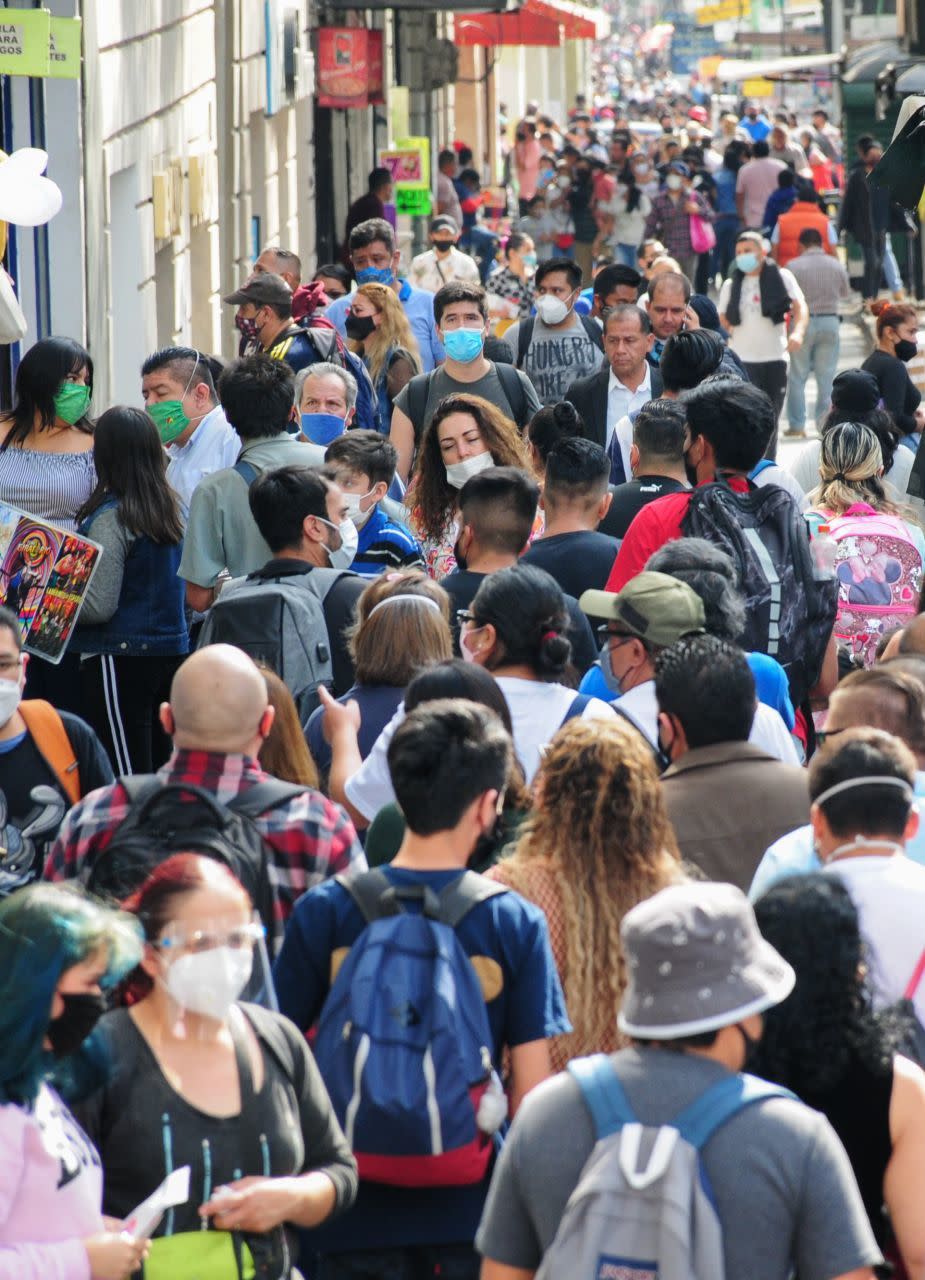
822, 278
385, 544
50, 486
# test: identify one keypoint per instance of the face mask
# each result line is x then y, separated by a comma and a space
641, 170
457, 473
357, 515
611, 681
168, 415
374, 275
246, 326
905, 350
342, 557
746, 262
529, 259
551, 310
209, 982
10, 698
464, 638
673, 182
463, 345
751, 1047
322, 428
564, 183
82, 1011
443, 246
72, 400
359, 327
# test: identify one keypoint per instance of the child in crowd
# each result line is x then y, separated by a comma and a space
363, 464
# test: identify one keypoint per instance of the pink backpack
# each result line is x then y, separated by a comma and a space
879, 570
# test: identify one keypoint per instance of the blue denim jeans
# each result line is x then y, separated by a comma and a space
818, 355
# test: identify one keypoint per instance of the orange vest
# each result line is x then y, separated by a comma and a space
798, 218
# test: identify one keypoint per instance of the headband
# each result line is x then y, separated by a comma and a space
877, 780
431, 604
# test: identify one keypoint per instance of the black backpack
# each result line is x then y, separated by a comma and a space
180, 817
790, 609
511, 384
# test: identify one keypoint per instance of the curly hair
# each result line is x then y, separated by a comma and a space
597, 783
433, 496
810, 1040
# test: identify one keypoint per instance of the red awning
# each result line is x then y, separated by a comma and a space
520, 28
575, 25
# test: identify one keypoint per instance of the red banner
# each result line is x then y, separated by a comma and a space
375, 49
343, 71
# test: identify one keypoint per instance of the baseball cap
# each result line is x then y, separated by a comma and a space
655, 607
678, 166
263, 290
443, 222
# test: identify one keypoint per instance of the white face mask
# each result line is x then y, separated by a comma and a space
673, 182
342, 557
355, 511
209, 982
10, 698
551, 310
457, 473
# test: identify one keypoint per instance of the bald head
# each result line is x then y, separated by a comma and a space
218, 702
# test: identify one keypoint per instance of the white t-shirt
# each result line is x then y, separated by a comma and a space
889, 893
756, 340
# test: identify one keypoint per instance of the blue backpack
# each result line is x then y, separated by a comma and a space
404, 1046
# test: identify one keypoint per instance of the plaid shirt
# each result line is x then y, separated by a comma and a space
308, 838
670, 222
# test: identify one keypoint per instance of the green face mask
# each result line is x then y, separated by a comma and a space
168, 415
72, 400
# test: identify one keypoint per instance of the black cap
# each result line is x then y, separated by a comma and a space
855, 391
263, 289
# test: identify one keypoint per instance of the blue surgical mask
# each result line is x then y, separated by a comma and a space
611, 681
746, 261
528, 259
374, 275
322, 428
464, 345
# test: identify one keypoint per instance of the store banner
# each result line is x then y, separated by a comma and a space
375, 94
343, 72
25, 42
64, 49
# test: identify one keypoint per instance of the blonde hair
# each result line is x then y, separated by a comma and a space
850, 468
393, 331
601, 827
391, 645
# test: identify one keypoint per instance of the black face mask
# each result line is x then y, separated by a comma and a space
691, 473
442, 246
82, 1011
359, 327
751, 1047
905, 350
461, 562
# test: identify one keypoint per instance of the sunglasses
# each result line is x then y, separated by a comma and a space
604, 634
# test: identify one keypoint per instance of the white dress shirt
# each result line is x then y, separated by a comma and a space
213, 445
621, 402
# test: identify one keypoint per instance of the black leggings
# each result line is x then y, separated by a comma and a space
120, 700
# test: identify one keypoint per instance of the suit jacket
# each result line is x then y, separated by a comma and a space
730, 802
589, 396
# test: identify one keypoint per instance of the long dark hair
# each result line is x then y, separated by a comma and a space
810, 1040
42, 370
131, 466
527, 609
628, 178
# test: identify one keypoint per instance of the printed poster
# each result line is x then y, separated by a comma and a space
44, 575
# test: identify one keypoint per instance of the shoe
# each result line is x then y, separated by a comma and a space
795, 435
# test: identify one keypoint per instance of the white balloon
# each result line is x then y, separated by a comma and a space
26, 197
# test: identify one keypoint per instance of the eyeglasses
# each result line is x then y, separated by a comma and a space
464, 615
823, 735
605, 635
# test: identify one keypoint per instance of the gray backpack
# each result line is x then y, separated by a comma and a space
642, 1208
277, 617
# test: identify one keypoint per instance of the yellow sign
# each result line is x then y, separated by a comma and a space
724, 11
64, 49
423, 146
25, 39
707, 67
758, 88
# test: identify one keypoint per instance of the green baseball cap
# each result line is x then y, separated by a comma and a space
655, 607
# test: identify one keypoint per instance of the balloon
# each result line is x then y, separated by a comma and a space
26, 197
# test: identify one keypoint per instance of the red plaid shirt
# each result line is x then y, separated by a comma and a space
309, 837
670, 222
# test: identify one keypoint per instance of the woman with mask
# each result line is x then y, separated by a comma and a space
59, 953
46, 439
194, 1077
380, 334
623, 219
132, 633
510, 287
595, 778
897, 343
465, 435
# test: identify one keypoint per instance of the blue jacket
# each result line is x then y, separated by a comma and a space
150, 619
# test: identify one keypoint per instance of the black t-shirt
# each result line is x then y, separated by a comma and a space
578, 561
630, 498
23, 768
461, 586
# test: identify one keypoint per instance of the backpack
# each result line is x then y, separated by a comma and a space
404, 1046
330, 349
525, 336
180, 817
913, 1040
279, 621
651, 1218
790, 609
879, 572
49, 737
511, 384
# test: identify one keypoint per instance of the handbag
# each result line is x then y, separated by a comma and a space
12, 321
703, 237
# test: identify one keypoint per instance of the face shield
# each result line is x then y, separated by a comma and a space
207, 969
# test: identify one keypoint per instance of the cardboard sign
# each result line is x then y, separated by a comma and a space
44, 575
343, 67
25, 41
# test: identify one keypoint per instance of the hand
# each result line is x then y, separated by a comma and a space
252, 1204
114, 1255
693, 206
691, 318
337, 717
794, 342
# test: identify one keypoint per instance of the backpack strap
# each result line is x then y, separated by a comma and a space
603, 1094
524, 338
513, 387
418, 389
460, 896
247, 471
576, 708
264, 796
367, 891
47, 731
140, 787
699, 1121
913, 984
762, 466
594, 332
269, 1030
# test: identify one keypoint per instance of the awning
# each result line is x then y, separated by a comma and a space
578, 21
536, 24
737, 69
864, 65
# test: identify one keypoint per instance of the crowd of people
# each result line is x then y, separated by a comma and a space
477, 805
